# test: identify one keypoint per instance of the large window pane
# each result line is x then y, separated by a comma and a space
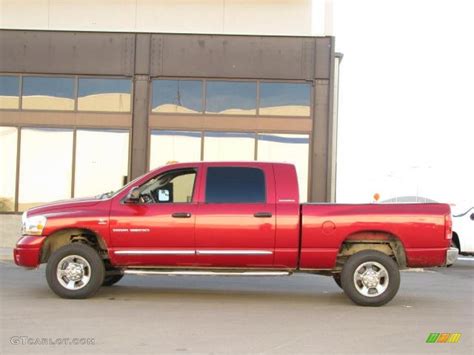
177, 96
285, 99
45, 166
9, 92
287, 148
231, 97
97, 94
101, 161
8, 142
48, 93
174, 146
219, 146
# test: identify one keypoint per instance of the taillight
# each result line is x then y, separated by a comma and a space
448, 226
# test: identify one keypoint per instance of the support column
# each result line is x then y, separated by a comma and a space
139, 158
323, 154
319, 147
141, 90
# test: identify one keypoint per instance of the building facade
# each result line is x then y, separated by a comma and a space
83, 112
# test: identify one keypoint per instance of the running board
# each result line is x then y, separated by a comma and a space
205, 273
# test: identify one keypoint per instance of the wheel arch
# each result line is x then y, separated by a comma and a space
66, 236
383, 241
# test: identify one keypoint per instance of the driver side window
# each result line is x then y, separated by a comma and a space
176, 186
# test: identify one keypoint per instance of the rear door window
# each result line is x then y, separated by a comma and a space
235, 185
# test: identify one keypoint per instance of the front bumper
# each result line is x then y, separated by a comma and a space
451, 256
27, 252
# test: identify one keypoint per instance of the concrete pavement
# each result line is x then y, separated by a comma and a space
297, 314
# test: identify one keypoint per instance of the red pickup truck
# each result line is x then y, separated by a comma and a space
230, 219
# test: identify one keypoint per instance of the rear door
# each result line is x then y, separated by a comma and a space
235, 221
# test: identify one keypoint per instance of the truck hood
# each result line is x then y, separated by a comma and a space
64, 206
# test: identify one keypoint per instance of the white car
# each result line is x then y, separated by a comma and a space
463, 231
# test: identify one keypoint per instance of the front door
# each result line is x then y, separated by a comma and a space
158, 229
235, 222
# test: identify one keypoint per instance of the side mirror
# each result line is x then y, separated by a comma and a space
133, 195
163, 195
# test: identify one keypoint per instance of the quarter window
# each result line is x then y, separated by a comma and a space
235, 185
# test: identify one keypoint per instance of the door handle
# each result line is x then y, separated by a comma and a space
263, 214
181, 215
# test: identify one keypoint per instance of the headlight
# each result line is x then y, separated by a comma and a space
33, 225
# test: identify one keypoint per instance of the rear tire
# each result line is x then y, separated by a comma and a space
75, 271
370, 278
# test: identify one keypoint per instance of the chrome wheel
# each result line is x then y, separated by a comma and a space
371, 279
73, 272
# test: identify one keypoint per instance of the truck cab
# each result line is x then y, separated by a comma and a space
200, 215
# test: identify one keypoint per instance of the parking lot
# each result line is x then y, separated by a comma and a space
298, 314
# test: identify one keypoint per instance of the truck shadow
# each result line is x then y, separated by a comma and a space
186, 294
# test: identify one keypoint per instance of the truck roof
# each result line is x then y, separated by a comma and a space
223, 163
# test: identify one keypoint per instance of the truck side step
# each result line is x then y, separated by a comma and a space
204, 273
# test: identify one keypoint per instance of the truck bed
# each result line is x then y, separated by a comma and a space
420, 228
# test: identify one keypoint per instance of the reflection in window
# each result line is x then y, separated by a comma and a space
229, 146
174, 146
287, 148
177, 96
285, 99
98, 94
101, 161
9, 92
45, 166
8, 142
175, 186
48, 93
231, 97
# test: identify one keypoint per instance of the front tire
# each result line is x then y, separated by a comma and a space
370, 278
75, 271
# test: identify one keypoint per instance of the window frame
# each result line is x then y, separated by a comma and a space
258, 90
75, 79
205, 179
194, 192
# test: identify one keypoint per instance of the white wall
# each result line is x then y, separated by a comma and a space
277, 17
